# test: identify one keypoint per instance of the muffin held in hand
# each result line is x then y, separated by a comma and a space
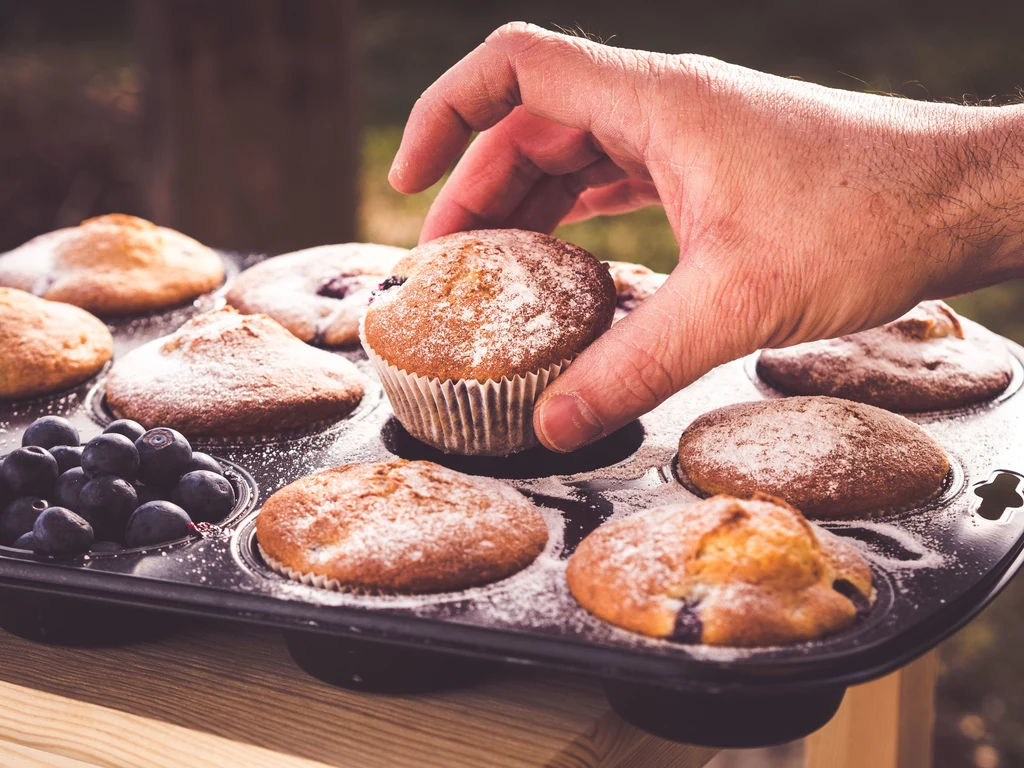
224, 374
829, 458
470, 328
723, 571
46, 346
114, 265
398, 527
926, 360
319, 293
634, 284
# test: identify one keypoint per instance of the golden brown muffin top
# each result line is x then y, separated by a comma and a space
490, 304
827, 457
926, 360
46, 346
723, 571
401, 526
223, 373
113, 265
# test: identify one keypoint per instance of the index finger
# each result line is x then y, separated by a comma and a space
576, 82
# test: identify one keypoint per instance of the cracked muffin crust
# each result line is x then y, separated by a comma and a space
399, 527
223, 373
829, 458
926, 360
319, 293
114, 265
47, 346
722, 571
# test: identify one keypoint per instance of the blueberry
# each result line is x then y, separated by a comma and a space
106, 546
107, 502
130, 429
60, 532
207, 497
50, 431
19, 516
341, 286
67, 456
68, 489
155, 523
204, 461
111, 455
29, 471
164, 456
26, 541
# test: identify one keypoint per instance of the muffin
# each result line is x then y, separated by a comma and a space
723, 571
113, 265
470, 328
827, 457
399, 527
225, 374
46, 346
634, 284
318, 294
926, 360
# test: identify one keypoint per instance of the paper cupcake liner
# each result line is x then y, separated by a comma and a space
310, 579
465, 416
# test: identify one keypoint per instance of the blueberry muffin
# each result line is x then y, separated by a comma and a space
318, 294
471, 327
46, 346
926, 360
223, 374
827, 457
723, 571
114, 265
399, 527
634, 284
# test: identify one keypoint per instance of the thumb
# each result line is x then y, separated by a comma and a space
693, 323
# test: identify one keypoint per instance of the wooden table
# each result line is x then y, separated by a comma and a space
225, 695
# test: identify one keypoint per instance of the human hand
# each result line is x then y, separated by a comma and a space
801, 212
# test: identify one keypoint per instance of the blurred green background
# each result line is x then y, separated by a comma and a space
71, 146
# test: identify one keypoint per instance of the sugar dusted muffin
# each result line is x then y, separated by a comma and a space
223, 373
114, 265
827, 457
399, 527
471, 327
319, 293
634, 284
723, 571
926, 360
47, 346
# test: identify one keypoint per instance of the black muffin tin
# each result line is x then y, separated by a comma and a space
935, 568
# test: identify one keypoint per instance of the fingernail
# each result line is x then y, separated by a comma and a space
566, 423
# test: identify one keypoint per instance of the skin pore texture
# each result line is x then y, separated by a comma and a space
801, 212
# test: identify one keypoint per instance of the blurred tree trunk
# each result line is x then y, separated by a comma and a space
249, 120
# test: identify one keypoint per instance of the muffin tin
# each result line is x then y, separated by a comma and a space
935, 567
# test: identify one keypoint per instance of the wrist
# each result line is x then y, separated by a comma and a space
976, 205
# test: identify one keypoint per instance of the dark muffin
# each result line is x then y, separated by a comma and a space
319, 293
114, 265
223, 374
927, 360
399, 527
47, 346
471, 328
827, 457
721, 572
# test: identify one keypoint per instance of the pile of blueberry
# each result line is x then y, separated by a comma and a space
129, 487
